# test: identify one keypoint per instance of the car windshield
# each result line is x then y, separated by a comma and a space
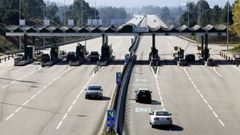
162, 113
94, 53
144, 92
94, 88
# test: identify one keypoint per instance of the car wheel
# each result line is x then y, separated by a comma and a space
86, 97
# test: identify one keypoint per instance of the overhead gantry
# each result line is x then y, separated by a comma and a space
124, 30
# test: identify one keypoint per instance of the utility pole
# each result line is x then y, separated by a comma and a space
95, 9
188, 14
19, 18
228, 16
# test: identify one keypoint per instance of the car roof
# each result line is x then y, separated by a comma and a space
146, 89
94, 87
161, 110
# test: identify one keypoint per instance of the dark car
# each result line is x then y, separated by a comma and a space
143, 95
210, 62
190, 58
182, 62
94, 56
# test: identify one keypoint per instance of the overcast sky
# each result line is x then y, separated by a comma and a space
137, 3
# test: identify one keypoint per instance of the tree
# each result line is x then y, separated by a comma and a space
80, 11
236, 18
109, 13
11, 17
225, 14
216, 15
51, 12
32, 9
203, 13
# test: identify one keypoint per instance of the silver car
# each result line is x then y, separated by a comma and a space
94, 91
160, 118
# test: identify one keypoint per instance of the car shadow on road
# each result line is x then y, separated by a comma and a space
170, 128
102, 99
155, 102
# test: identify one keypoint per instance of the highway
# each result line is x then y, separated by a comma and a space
51, 100
203, 100
47, 101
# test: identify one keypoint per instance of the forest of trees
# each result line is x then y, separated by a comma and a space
109, 13
202, 14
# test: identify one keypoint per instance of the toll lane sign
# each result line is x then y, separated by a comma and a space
118, 78
110, 118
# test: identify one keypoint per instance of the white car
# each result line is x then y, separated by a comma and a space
94, 91
160, 118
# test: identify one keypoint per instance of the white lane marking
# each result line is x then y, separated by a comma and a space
221, 122
19, 79
214, 69
202, 97
10, 116
158, 88
236, 68
32, 97
60, 123
73, 103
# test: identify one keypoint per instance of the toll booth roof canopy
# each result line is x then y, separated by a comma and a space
126, 28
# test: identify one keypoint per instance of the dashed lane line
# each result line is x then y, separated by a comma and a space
19, 79
76, 99
203, 98
158, 88
32, 97
73, 103
220, 75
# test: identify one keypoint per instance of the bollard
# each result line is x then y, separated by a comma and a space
0, 60
8, 57
5, 58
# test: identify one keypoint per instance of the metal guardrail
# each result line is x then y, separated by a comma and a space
5, 58
120, 108
232, 58
122, 93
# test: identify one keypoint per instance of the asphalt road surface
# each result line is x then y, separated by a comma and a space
203, 100
51, 100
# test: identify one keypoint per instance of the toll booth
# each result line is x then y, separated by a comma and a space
30, 52
106, 50
81, 51
54, 53
153, 56
204, 47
